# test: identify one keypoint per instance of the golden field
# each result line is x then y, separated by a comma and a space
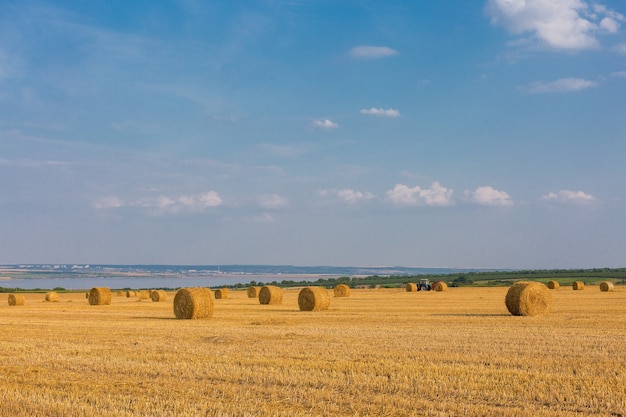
377, 353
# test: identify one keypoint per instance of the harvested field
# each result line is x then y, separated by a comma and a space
137, 359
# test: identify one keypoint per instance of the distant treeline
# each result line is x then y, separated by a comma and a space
488, 278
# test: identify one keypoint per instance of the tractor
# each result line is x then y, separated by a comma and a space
424, 285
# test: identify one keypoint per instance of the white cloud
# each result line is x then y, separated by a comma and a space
561, 85
324, 124
488, 196
559, 24
352, 196
436, 195
272, 201
381, 112
164, 204
567, 196
108, 202
371, 52
347, 195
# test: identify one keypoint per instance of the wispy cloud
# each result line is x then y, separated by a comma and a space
164, 204
272, 201
381, 112
371, 52
348, 195
488, 196
558, 24
569, 197
621, 74
560, 85
436, 195
324, 124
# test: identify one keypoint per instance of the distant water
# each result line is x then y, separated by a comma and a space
79, 277
72, 283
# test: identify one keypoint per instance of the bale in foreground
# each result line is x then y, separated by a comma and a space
271, 294
52, 296
16, 300
158, 295
221, 294
193, 303
528, 299
341, 290
578, 285
313, 299
411, 287
440, 286
553, 285
99, 296
253, 292
606, 286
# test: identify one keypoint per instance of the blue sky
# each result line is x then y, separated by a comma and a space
436, 134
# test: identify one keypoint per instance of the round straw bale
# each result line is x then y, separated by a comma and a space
578, 285
553, 285
606, 286
253, 292
16, 300
158, 295
143, 294
52, 296
341, 290
193, 303
528, 299
222, 293
439, 286
121, 293
130, 294
99, 296
271, 294
411, 287
313, 299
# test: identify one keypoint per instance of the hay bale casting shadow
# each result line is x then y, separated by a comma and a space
528, 299
193, 303
99, 296
271, 294
313, 299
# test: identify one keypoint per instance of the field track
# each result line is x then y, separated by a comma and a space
376, 353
